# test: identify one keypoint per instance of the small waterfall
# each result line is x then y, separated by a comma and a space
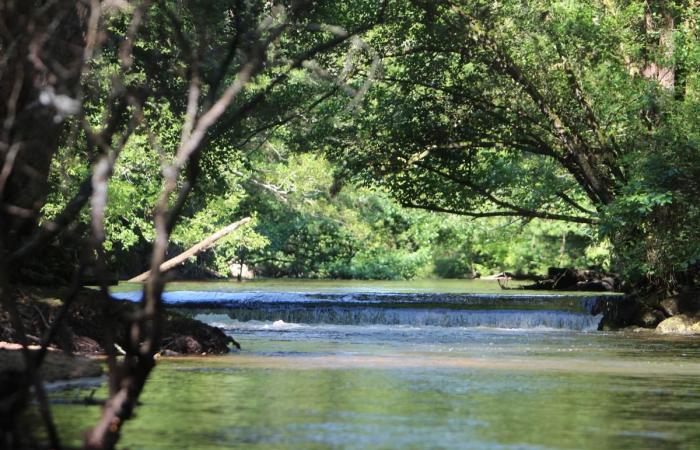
440, 317
256, 299
508, 311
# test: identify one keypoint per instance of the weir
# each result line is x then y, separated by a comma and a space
505, 319
506, 311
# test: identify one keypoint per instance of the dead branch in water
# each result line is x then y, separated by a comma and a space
201, 246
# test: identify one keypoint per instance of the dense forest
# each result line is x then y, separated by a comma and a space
306, 227
567, 127
365, 139
315, 216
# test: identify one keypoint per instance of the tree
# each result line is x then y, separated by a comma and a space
558, 111
79, 81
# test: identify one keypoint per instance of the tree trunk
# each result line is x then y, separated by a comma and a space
194, 250
42, 48
658, 26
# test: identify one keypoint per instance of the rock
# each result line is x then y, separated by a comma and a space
670, 306
184, 344
686, 302
85, 345
679, 324
649, 318
210, 339
168, 352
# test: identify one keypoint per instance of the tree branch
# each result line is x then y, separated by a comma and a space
511, 209
576, 148
526, 214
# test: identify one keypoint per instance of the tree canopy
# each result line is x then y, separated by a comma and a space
580, 112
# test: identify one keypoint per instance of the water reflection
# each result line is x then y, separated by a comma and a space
321, 379
498, 390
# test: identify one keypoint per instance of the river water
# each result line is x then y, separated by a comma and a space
412, 365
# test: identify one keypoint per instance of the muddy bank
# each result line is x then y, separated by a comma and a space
83, 330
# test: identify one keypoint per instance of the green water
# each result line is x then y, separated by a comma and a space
337, 385
491, 390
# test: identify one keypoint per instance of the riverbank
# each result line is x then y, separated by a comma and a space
83, 329
667, 314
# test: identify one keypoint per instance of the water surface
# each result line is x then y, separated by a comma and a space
327, 382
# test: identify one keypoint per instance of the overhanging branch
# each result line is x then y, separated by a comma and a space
503, 213
513, 208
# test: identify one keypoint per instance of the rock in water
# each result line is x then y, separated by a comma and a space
184, 345
680, 324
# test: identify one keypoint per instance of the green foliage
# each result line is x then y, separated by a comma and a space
507, 112
363, 233
654, 222
555, 110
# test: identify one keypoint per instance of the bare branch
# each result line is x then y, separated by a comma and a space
194, 250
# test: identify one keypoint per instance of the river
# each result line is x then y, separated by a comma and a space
411, 365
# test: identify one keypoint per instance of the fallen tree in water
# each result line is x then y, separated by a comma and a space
568, 279
196, 249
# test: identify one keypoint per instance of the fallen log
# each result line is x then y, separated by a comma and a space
204, 244
569, 279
